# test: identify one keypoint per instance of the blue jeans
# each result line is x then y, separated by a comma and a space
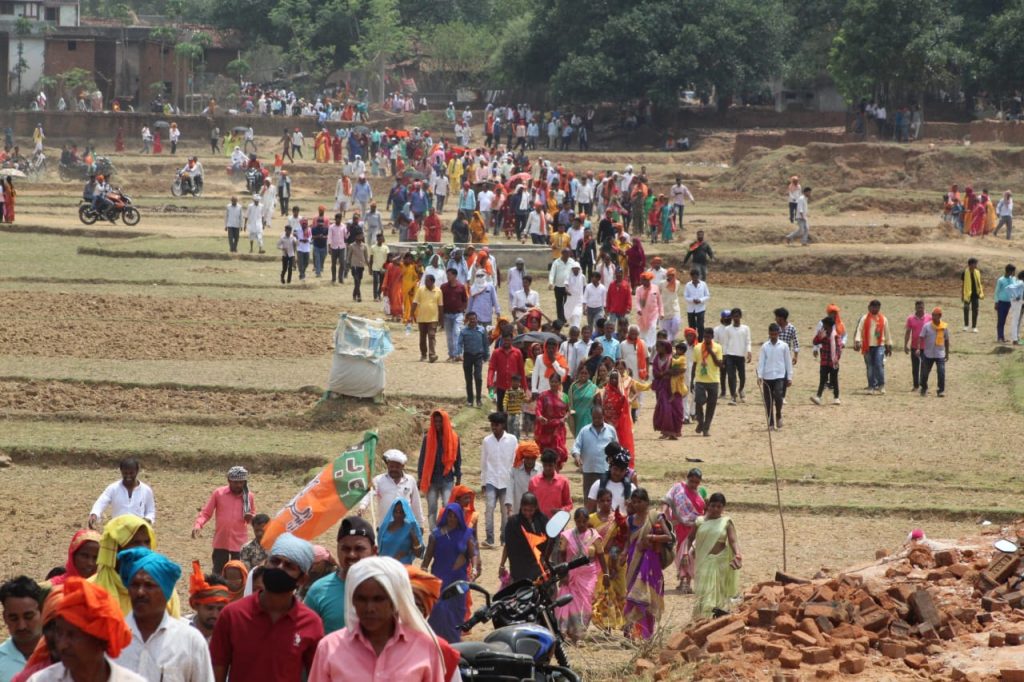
874, 360
495, 496
1002, 312
438, 494
319, 256
926, 370
452, 328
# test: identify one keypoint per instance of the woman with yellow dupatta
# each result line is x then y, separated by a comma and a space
649, 549
477, 229
717, 559
410, 278
610, 593
121, 533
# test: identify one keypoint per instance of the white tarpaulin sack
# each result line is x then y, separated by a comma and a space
360, 346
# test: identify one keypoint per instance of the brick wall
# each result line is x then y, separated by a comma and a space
59, 58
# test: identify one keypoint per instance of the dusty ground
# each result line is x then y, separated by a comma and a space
197, 363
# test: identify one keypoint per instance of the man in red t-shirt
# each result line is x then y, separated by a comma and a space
506, 362
270, 636
619, 299
912, 339
453, 305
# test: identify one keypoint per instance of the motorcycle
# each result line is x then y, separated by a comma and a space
185, 183
121, 207
254, 180
526, 635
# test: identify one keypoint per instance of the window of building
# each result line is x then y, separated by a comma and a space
72, 45
31, 10
6, 8
50, 14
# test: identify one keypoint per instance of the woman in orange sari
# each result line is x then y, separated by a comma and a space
410, 277
322, 146
549, 430
616, 404
393, 289
9, 195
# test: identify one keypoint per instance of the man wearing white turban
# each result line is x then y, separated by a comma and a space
389, 486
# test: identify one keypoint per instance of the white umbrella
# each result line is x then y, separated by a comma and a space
13, 172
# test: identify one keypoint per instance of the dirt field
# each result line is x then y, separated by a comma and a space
153, 342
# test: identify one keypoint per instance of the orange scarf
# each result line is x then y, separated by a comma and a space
470, 511
641, 358
451, 448
549, 367
878, 321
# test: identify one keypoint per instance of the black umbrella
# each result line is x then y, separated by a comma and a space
239, 129
413, 174
535, 337
161, 124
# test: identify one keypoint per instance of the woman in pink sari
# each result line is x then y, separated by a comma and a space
682, 504
549, 430
576, 541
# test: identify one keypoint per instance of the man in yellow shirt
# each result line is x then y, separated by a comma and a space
426, 307
559, 240
707, 368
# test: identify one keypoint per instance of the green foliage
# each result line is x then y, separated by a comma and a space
896, 48
305, 50
453, 50
238, 68
22, 27
382, 38
999, 60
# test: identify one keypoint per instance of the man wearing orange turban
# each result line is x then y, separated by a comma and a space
207, 596
89, 610
524, 467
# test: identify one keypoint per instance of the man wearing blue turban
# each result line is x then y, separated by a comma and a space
161, 644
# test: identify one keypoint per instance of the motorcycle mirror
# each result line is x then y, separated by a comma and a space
456, 589
1006, 546
557, 523
562, 601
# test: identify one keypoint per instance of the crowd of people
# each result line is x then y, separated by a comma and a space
975, 214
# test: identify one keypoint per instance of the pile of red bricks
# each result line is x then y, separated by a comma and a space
894, 624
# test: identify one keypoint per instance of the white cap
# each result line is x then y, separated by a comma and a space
395, 456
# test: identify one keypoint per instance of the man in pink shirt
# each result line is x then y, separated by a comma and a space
551, 488
234, 507
912, 339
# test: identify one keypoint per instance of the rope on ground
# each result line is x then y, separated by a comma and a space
775, 472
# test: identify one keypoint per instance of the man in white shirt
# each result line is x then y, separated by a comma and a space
560, 270
1004, 209
574, 350
484, 202
616, 480
697, 295
162, 647
659, 271
679, 194
233, 223
537, 224
127, 496
671, 318
593, 299
388, 487
515, 280
497, 455
519, 479
735, 340
575, 283
254, 222
525, 298
774, 374
802, 230
585, 195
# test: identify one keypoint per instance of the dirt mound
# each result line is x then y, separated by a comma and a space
935, 610
847, 167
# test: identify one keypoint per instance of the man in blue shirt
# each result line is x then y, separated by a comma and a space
475, 351
22, 601
1003, 299
588, 450
327, 595
609, 344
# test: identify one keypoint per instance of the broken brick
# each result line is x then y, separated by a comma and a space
892, 649
915, 661
791, 659
824, 624
945, 557
727, 632
678, 641
852, 665
996, 639
922, 606
668, 656
801, 638
773, 651
766, 615
692, 653
1016, 675
717, 646
817, 654
960, 570
785, 624
874, 620
643, 666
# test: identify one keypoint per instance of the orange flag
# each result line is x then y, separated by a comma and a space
535, 541
328, 497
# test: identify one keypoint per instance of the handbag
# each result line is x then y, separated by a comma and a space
666, 553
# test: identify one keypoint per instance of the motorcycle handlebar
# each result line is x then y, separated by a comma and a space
577, 562
479, 617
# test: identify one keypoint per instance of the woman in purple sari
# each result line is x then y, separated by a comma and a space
668, 410
650, 544
449, 556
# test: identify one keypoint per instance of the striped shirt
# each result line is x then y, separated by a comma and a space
788, 335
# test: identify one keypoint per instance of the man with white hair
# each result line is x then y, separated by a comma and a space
254, 223
391, 485
362, 193
270, 635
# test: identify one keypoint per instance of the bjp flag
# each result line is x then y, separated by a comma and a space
328, 497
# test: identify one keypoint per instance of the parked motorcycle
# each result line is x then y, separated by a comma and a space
185, 183
526, 636
101, 165
121, 207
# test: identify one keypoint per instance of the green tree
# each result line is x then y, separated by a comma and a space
454, 52
23, 29
997, 65
304, 51
238, 68
896, 49
382, 38
164, 36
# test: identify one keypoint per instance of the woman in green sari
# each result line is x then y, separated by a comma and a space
581, 400
717, 558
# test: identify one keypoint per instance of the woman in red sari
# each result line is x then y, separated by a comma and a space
432, 226
336, 147
9, 195
617, 413
637, 261
549, 430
